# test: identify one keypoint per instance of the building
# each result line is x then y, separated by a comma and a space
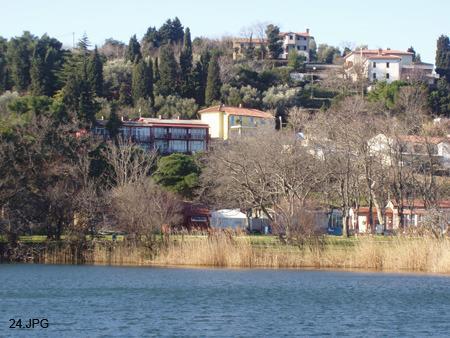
165, 136
413, 150
225, 121
290, 41
386, 65
414, 214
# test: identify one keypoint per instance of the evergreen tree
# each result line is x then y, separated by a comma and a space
274, 43
171, 32
168, 72
443, 57
46, 62
114, 123
213, 82
156, 75
199, 77
411, 50
133, 52
142, 82
124, 95
20, 50
177, 31
95, 72
152, 38
3, 66
312, 46
186, 85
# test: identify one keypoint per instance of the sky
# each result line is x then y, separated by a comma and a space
397, 24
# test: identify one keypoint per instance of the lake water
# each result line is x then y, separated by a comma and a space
91, 301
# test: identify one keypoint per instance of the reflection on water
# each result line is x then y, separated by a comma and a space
115, 301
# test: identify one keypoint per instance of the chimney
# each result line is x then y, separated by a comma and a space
389, 48
307, 30
160, 117
379, 51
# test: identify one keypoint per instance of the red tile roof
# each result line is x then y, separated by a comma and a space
381, 52
237, 111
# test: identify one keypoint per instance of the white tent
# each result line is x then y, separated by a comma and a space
228, 218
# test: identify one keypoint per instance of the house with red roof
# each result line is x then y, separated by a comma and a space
166, 136
386, 65
226, 121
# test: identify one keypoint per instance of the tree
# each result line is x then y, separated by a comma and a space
19, 52
274, 42
199, 77
295, 60
46, 62
178, 173
312, 46
114, 123
171, 32
213, 83
3, 65
142, 82
443, 57
133, 52
168, 72
186, 85
95, 72
175, 107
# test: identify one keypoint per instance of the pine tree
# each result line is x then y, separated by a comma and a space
274, 42
186, 83
142, 82
443, 57
133, 52
168, 72
95, 72
213, 83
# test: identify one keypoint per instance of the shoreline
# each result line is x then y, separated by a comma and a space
231, 268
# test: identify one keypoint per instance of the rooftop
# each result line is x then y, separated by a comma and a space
382, 52
237, 111
141, 121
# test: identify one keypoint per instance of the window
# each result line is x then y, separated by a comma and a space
178, 146
374, 76
387, 75
177, 132
162, 146
196, 146
374, 65
387, 64
198, 133
298, 47
199, 219
304, 47
290, 37
160, 132
232, 120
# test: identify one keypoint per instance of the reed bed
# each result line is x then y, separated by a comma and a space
400, 253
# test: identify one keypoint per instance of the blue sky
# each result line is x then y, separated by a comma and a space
397, 24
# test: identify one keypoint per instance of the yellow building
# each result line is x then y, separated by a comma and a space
225, 121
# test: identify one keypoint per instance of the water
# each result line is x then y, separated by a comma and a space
91, 301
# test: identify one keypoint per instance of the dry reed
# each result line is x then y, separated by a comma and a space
424, 254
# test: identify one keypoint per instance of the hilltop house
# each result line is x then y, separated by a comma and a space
298, 41
386, 65
225, 121
164, 135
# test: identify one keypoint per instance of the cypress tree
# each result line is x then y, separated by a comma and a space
168, 72
156, 75
19, 60
186, 83
199, 77
443, 57
133, 52
114, 123
95, 72
3, 66
142, 82
124, 95
213, 83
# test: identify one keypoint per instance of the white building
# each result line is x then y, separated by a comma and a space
295, 41
386, 65
290, 41
229, 218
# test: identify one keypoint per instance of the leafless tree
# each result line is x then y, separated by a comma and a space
129, 163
